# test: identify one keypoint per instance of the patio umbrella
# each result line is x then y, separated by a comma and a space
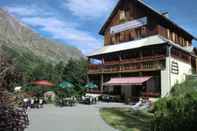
90, 86
43, 83
65, 85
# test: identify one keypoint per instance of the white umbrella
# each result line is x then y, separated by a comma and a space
18, 88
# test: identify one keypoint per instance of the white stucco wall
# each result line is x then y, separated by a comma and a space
169, 79
184, 69
165, 81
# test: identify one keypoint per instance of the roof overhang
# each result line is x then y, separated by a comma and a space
145, 42
127, 81
148, 41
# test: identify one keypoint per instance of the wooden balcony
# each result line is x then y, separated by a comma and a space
131, 67
131, 34
137, 60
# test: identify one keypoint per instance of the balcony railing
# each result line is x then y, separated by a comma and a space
133, 67
137, 60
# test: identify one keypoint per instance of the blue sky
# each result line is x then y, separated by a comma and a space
77, 22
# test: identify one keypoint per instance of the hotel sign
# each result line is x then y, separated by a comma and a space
129, 25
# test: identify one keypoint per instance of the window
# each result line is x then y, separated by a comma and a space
176, 38
175, 68
184, 44
138, 33
187, 43
168, 33
173, 36
180, 40
132, 34
128, 15
122, 36
122, 15
143, 31
113, 39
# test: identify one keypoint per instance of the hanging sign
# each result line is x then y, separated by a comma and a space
129, 25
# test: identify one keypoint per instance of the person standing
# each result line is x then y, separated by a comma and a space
41, 103
32, 102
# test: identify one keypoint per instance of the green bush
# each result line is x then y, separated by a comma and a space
188, 86
176, 113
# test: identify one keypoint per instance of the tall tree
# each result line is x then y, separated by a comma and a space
9, 75
11, 118
76, 72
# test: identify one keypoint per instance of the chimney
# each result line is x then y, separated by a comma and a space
166, 14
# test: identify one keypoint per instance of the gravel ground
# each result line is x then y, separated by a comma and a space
78, 118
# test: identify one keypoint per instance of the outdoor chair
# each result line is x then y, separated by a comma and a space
137, 105
88, 100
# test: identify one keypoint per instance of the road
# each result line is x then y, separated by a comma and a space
77, 118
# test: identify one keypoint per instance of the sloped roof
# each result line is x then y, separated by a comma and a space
152, 40
148, 41
149, 8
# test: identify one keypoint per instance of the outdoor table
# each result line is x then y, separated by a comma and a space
69, 101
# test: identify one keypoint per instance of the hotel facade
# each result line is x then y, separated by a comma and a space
144, 54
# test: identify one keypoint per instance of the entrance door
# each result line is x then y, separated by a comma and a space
136, 91
117, 90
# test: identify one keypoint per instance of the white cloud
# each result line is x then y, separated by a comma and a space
59, 29
66, 31
89, 9
27, 11
21, 11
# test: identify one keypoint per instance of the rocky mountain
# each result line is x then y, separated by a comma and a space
16, 36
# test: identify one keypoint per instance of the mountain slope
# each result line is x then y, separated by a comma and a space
16, 36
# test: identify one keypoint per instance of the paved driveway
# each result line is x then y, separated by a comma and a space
78, 118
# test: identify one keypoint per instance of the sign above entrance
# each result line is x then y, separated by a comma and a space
129, 25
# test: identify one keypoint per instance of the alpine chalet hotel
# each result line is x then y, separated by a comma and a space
144, 54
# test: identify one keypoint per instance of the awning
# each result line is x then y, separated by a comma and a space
127, 81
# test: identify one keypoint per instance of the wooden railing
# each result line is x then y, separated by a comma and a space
137, 60
132, 34
132, 67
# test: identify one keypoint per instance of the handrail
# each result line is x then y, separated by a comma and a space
130, 61
128, 67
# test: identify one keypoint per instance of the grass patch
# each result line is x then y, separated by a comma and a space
125, 119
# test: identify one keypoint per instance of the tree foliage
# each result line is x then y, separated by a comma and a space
11, 118
9, 75
76, 72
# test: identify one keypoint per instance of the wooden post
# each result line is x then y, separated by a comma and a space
141, 57
103, 62
120, 59
101, 82
141, 54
